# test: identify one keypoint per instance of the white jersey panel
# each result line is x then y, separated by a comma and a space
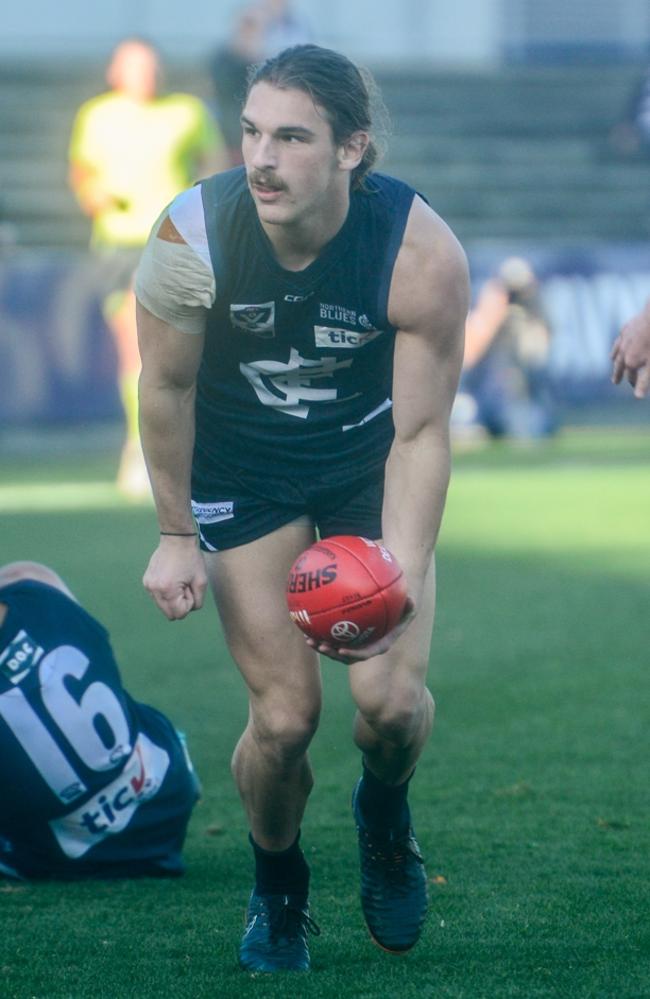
186, 212
175, 281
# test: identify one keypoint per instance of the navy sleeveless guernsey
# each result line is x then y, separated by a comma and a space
92, 783
297, 366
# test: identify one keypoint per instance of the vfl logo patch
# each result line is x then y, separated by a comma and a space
327, 336
259, 320
213, 513
19, 657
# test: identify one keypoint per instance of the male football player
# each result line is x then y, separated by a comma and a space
301, 329
92, 783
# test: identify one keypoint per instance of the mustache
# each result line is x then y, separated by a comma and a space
265, 180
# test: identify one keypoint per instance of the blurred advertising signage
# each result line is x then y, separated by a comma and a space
58, 363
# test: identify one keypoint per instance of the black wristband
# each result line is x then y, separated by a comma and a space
179, 534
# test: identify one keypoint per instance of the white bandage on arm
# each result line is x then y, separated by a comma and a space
174, 283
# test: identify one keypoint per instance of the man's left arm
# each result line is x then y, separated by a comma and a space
428, 305
631, 353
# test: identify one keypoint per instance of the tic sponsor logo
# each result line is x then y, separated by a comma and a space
259, 320
303, 582
19, 657
111, 810
214, 512
329, 336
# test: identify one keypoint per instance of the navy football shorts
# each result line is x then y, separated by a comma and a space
233, 509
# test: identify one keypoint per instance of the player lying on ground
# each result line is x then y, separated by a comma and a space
92, 783
301, 329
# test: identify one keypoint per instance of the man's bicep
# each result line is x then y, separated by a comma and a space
170, 358
426, 372
425, 379
173, 281
430, 301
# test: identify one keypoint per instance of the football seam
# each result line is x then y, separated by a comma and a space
364, 565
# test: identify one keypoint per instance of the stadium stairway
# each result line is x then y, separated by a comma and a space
518, 154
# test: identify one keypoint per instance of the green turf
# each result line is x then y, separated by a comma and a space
531, 802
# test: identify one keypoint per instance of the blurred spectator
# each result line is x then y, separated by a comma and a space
631, 353
131, 151
260, 31
282, 27
632, 134
506, 355
8, 232
229, 66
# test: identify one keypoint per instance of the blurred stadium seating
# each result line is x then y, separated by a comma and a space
516, 153
520, 153
516, 161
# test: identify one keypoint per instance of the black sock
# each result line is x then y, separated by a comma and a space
282, 872
384, 807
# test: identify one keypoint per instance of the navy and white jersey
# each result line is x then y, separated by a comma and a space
297, 366
91, 782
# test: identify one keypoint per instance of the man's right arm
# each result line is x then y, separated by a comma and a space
176, 576
175, 289
631, 353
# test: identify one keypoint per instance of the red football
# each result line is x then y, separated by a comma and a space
346, 591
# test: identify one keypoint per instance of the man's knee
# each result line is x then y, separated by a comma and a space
284, 730
400, 712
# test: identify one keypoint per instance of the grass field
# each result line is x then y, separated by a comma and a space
531, 803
